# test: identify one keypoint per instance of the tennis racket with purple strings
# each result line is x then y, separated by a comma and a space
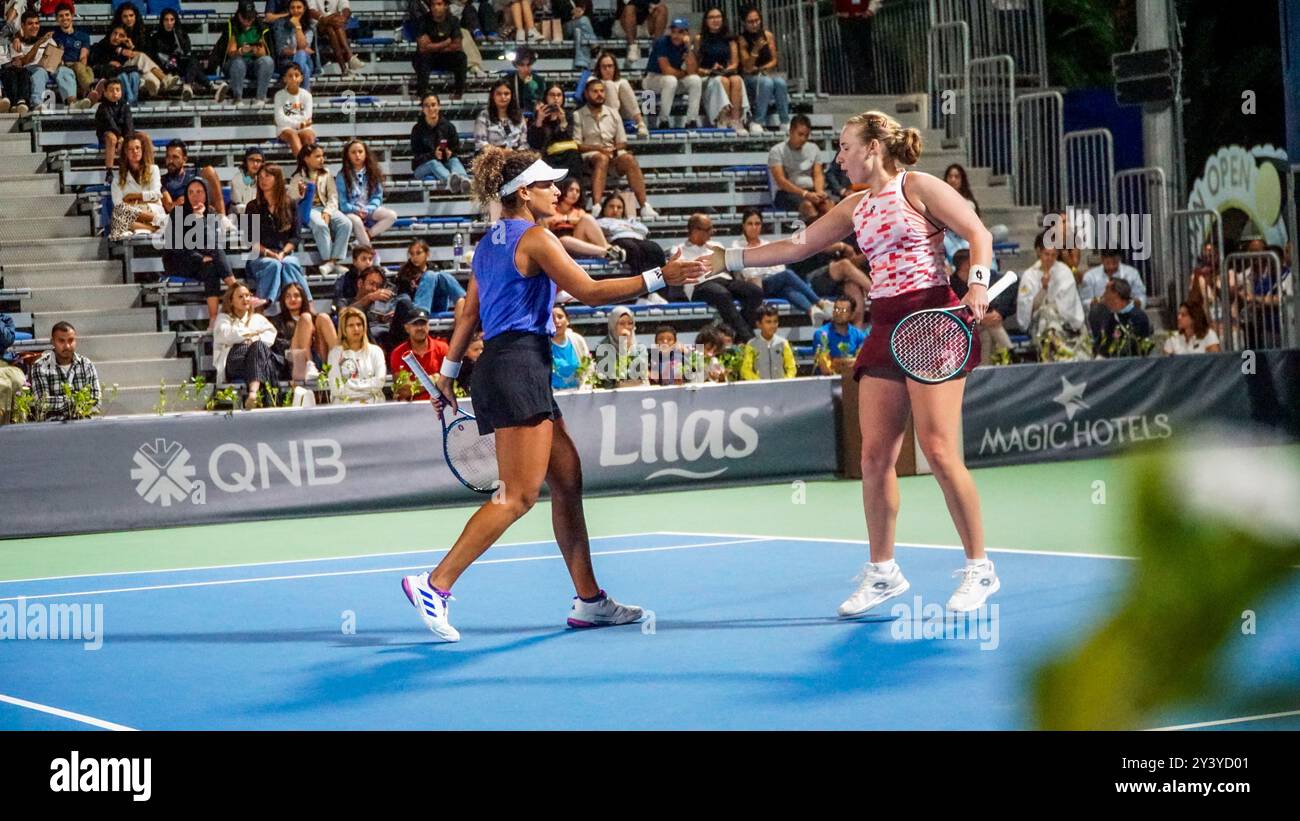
935, 344
471, 457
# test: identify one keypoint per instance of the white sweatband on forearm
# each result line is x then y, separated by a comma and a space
654, 279
735, 259
979, 275
449, 369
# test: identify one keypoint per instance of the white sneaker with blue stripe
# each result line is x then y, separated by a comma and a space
431, 605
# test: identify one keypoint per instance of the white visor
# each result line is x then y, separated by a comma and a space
535, 173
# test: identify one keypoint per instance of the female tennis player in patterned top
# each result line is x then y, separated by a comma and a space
898, 222
517, 267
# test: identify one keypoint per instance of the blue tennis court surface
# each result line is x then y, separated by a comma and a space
743, 635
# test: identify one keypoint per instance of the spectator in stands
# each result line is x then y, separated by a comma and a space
177, 174
855, 23
303, 337
438, 48
428, 288
992, 329
295, 42
667, 358
955, 175
241, 345
278, 230
331, 19
76, 58
293, 112
777, 281
29, 53
529, 86
112, 122
345, 286
797, 174
61, 373
653, 14
847, 273
195, 243
247, 46
15, 85
153, 80
136, 190
1126, 329
357, 370
630, 234
428, 350
603, 143
521, 18
768, 355
1095, 279
243, 185
171, 45
375, 300
671, 66
717, 61
329, 227
1194, 334
1049, 309
577, 230
618, 92
360, 184
502, 122
717, 289
109, 61
568, 350
434, 143
705, 363
619, 360
551, 133
836, 343
764, 83
575, 25
12, 379
464, 382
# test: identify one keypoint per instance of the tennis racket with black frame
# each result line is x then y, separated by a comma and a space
471, 456
934, 345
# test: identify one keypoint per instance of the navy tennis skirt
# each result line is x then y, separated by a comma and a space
511, 384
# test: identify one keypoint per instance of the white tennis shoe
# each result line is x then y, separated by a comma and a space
602, 613
978, 582
876, 587
432, 607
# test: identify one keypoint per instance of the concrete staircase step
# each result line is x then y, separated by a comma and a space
144, 372
157, 345
61, 274
119, 321
51, 250
29, 185
82, 297
23, 163
20, 229
20, 206
18, 143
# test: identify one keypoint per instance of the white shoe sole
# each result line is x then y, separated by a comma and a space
993, 588
443, 631
582, 624
894, 593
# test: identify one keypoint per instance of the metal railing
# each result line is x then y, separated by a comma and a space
1089, 164
1011, 27
1040, 162
949, 78
899, 34
1256, 304
1289, 287
993, 114
1140, 207
1190, 231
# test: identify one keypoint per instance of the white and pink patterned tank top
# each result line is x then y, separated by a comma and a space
903, 247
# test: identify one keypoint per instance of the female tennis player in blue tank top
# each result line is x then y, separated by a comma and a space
517, 267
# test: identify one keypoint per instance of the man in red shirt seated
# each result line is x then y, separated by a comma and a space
430, 351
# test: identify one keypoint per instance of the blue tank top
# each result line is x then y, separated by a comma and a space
508, 300
564, 365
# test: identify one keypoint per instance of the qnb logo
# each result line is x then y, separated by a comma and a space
128, 775
163, 473
665, 436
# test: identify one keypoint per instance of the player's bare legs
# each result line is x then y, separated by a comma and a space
936, 414
882, 418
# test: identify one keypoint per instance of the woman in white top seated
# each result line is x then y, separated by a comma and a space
1194, 334
357, 369
241, 344
778, 281
630, 234
243, 185
136, 189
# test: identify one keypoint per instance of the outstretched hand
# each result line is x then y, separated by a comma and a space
678, 271
718, 261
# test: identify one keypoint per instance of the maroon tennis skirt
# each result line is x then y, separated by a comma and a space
874, 358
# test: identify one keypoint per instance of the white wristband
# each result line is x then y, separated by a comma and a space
735, 259
979, 275
449, 369
654, 279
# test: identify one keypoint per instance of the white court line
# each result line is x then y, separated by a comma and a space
1223, 721
863, 543
218, 582
55, 711
307, 561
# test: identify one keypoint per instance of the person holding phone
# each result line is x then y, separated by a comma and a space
434, 143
